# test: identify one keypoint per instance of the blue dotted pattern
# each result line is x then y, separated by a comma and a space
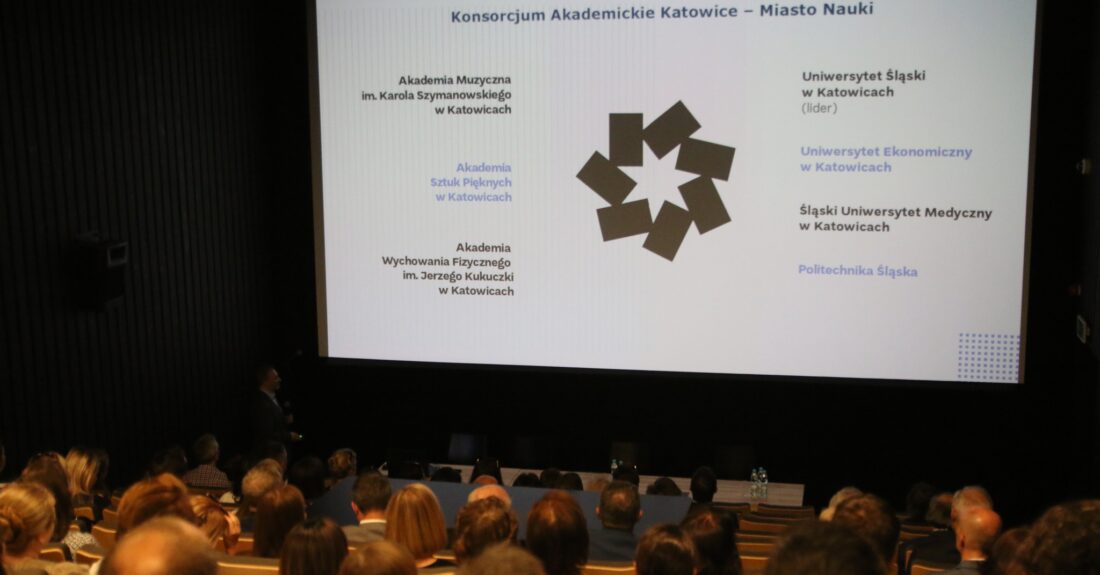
991, 357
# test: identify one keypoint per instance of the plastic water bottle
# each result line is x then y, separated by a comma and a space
763, 483
754, 487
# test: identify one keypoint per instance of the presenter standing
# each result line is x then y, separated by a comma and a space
269, 421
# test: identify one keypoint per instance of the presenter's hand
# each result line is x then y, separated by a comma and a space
295, 436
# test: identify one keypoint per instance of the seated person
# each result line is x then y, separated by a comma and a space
619, 510
313, 547
665, 550
480, 525
557, 533
415, 519
27, 524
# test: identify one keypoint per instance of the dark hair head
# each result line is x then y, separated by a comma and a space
487, 466
916, 501
205, 449
704, 484
161, 496
571, 482
871, 516
313, 547
620, 505
527, 480
308, 475
371, 492
557, 533
277, 512
45, 470
503, 559
713, 531
820, 548
627, 472
549, 477
1063, 541
262, 371
665, 550
379, 558
939, 510
664, 486
1005, 551
169, 460
481, 524
447, 475
343, 463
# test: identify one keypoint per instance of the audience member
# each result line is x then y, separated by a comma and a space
487, 491
206, 474
1064, 541
502, 559
713, 531
824, 548
839, 497
627, 472
665, 550
86, 470
27, 523
570, 482
485, 480
527, 479
549, 477
164, 495
163, 546
45, 470
313, 547
597, 484
369, 498
975, 532
557, 533
664, 486
342, 463
222, 529
1002, 557
169, 460
259, 480
308, 475
379, 558
619, 510
916, 503
415, 520
481, 524
871, 517
489, 466
277, 512
939, 546
704, 484
447, 475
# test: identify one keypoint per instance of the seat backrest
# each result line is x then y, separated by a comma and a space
110, 515
607, 568
89, 554
753, 564
784, 511
84, 511
242, 565
756, 548
756, 526
53, 552
922, 568
104, 535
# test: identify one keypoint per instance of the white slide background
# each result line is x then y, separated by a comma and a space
733, 300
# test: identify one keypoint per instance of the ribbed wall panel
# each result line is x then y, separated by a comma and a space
143, 121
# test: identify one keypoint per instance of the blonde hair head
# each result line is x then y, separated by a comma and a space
26, 512
83, 469
415, 519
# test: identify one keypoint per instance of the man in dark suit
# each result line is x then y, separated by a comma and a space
619, 510
269, 423
369, 498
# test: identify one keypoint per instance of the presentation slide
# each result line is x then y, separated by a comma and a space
821, 189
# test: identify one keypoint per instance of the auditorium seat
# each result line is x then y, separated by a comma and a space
753, 564
244, 545
922, 568
756, 548
907, 535
608, 568
85, 512
53, 552
757, 526
738, 508
110, 516
247, 565
104, 535
756, 537
776, 518
89, 554
785, 511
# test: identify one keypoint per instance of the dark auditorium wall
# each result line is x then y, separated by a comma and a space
145, 121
